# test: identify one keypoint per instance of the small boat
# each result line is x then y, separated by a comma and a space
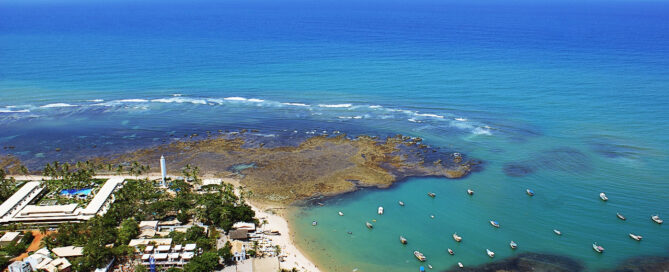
494, 223
557, 232
513, 245
456, 237
657, 219
529, 192
403, 240
341, 214
380, 210
350, 232
460, 265
314, 223
620, 216
597, 248
450, 251
470, 192
431, 194
401, 203
320, 204
429, 266
369, 225
636, 237
490, 253
419, 256
603, 196
432, 216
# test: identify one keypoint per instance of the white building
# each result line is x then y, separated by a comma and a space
16, 208
10, 238
19, 266
163, 169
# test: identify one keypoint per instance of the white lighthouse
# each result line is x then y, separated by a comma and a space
163, 169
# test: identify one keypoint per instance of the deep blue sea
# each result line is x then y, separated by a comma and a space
569, 98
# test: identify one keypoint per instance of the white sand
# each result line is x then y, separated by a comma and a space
294, 258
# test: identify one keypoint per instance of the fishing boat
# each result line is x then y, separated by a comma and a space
603, 196
369, 225
341, 214
314, 223
529, 192
557, 232
657, 219
470, 192
403, 240
431, 194
401, 203
429, 266
620, 216
513, 245
419, 256
460, 265
490, 253
494, 223
597, 248
380, 210
636, 237
456, 237
450, 251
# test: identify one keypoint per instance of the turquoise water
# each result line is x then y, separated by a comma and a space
568, 99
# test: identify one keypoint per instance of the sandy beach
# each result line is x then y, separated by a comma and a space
294, 257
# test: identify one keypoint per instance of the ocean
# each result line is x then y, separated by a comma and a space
567, 98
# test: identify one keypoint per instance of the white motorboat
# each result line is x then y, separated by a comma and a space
603, 196
597, 248
636, 237
513, 245
456, 237
656, 219
460, 265
341, 214
494, 223
490, 253
450, 251
401, 203
620, 216
369, 225
380, 210
403, 240
470, 192
419, 256
557, 232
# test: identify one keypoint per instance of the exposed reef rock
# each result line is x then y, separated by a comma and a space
644, 264
319, 166
529, 262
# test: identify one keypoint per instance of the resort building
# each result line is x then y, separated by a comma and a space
68, 252
19, 267
148, 229
17, 208
41, 261
10, 238
162, 253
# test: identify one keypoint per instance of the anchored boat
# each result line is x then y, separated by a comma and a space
419, 256
470, 192
529, 192
620, 216
636, 237
490, 253
341, 214
431, 194
369, 225
657, 219
460, 265
403, 240
401, 203
603, 196
557, 232
456, 237
450, 251
314, 223
597, 248
513, 245
494, 223
380, 211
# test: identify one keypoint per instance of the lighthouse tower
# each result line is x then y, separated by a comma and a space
163, 169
